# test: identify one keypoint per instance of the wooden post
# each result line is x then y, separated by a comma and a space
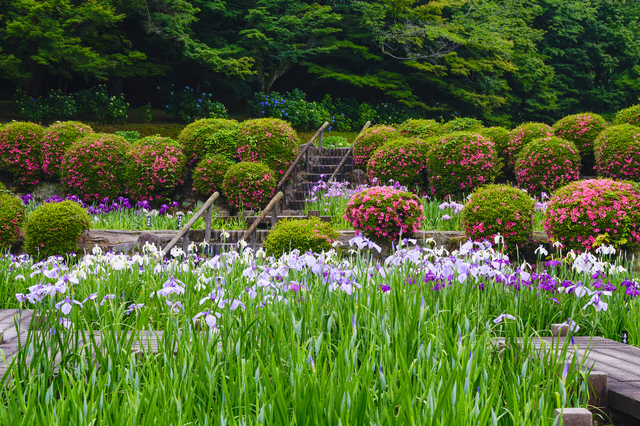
189, 224
185, 243
207, 229
349, 151
264, 213
320, 141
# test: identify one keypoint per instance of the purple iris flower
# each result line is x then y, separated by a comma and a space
133, 307
107, 297
385, 288
503, 316
66, 304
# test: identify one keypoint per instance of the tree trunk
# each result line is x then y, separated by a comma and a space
275, 73
33, 85
115, 86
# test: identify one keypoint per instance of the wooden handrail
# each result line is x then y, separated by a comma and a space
206, 206
262, 215
301, 153
349, 151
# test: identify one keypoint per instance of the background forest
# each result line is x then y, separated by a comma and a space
503, 62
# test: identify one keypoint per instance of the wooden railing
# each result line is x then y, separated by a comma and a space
346, 156
250, 235
184, 232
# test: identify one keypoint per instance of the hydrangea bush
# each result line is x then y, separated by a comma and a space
547, 164
209, 174
56, 139
617, 152
270, 141
592, 212
499, 209
368, 141
249, 185
460, 163
12, 215
403, 160
629, 115
384, 212
217, 136
20, 152
153, 168
520, 137
54, 228
581, 129
301, 234
420, 128
462, 124
93, 167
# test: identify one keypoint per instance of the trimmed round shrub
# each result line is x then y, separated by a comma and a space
382, 211
581, 129
304, 235
629, 115
93, 167
420, 128
249, 185
57, 138
53, 229
211, 136
547, 164
460, 163
520, 137
20, 152
12, 215
592, 212
403, 160
463, 124
270, 141
368, 141
209, 174
153, 168
617, 152
502, 209
499, 136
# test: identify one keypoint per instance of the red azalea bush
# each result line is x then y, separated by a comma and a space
209, 136
270, 141
154, 167
520, 137
617, 152
420, 128
499, 209
368, 141
629, 115
547, 164
383, 211
12, 215
581, 129
249, 185
57, 138
20, 152
402, 160
595, 211
209, 174
92, 168
461, 162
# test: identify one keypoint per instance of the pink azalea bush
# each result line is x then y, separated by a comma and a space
520, 137
154, 167
581, 129
403, 160
12, 215
383, 211
249, 185
420, 128
499, 136
590, 212
209, 136
20, 152
499, 209
56, 139
460, 163
547, 164
617, 152
209, 174
629, 115
92, 168
368, 141
270, 141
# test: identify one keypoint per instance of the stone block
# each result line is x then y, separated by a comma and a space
575, 417
559, 330
598, 389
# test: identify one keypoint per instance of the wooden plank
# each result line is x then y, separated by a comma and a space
189, 224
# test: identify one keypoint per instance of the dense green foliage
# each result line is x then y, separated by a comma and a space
53, 229
617, 152
520, 137
370, 140
581, 129
209, 174
213, 136
11, 216
629, 115
57, 138
20, 152
249, 186
499, 136
269, 141
304, 235
420, 128
402, 160
499, 209
502, 62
